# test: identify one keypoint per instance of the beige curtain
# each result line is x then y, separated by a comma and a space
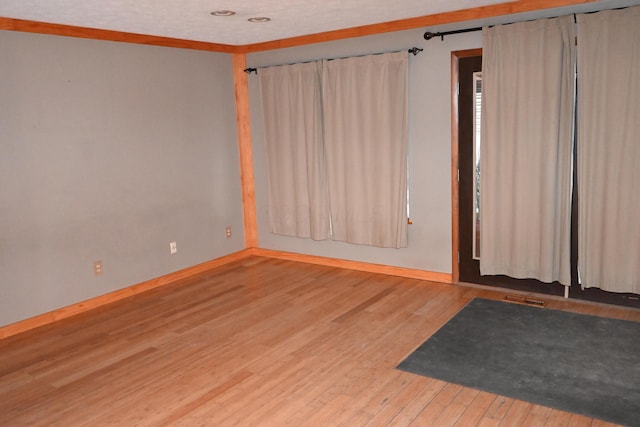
365, 103
528, 87
297, 183
608, 130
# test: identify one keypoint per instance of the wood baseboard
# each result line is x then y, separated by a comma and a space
84, 306
356, 265
81, 307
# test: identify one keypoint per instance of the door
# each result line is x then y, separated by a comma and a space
469, 111
469, 174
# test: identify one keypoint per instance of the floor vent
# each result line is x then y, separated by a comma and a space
524, 300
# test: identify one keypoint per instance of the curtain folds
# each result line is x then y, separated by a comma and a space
336, 137
526, 152
608, 129
297, 182
365, 104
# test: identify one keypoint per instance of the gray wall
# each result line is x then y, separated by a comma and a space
429, 137
429, 146
109, 151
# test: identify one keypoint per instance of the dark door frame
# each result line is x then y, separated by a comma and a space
455, 242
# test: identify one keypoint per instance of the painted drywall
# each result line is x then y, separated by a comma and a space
430, 238
109, 151
429, 147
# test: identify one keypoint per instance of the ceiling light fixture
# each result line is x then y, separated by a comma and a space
259, 19
223, 13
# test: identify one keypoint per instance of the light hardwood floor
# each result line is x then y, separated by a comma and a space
258, 342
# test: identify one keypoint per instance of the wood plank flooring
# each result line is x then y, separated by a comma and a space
259, 342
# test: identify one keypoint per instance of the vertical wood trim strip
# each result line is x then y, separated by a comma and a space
455, 206
243, 119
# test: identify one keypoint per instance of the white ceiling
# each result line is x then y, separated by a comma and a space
192, 19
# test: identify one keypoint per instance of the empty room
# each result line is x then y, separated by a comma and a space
356, 213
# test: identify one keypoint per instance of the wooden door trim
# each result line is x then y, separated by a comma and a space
455, 208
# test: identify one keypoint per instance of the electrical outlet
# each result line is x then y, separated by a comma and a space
97, 268
173, 248
228, 231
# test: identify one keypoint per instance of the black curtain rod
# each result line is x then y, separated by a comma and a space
429, 35
414, 50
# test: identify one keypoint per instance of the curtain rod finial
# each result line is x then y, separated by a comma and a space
429, 35
415, 50
251, 70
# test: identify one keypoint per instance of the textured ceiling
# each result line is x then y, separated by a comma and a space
191, 19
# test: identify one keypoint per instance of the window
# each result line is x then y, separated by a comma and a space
477, 127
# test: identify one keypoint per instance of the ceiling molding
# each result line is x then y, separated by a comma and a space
117, 36
482, 12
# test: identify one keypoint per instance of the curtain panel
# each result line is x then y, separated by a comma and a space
608, 132
526, 151
296, 169
336, 137
365, 104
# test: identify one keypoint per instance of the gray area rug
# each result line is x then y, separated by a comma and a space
573, 362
